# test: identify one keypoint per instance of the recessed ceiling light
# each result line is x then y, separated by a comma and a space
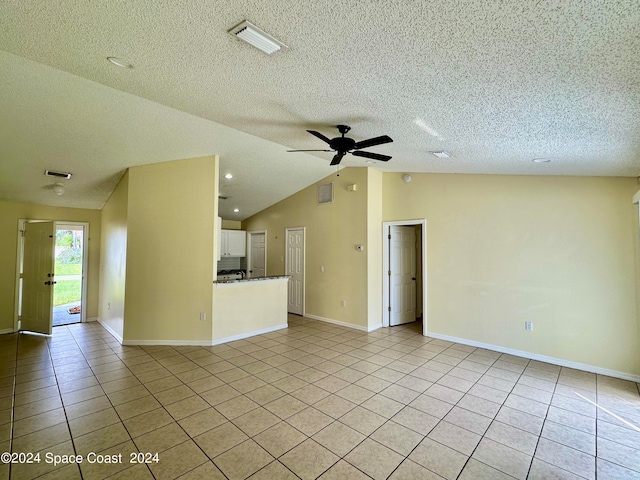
441, 154
236, 210
118, 62
541, 160
228, 176
258, 38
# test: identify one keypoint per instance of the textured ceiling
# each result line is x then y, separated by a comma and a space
496, 83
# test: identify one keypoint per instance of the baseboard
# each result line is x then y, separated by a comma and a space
173, 343
91, 319
248, 334
110, 330
541, 358
338, 322
6, 330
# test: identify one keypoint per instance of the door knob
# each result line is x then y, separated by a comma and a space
47, 283
413, 278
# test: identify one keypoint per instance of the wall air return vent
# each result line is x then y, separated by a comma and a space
51, 173
325, 193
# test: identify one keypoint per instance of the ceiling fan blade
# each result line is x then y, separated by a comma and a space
319, 135
338, 158
309, 150
373, 156
372, 142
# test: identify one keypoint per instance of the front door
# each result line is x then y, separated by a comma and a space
257, 254
295, 268
402, 277
37, 277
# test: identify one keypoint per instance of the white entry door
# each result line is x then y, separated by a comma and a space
295, 268
257, 254
402, 279
37, 277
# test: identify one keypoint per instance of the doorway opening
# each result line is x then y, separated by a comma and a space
51, 274
295, 268
68, 257
405, 273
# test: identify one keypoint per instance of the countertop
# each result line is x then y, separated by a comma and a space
253, 279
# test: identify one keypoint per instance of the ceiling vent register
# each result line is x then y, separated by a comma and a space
51, 173
258, 38
325, 193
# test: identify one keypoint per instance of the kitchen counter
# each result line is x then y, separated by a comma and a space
253, 279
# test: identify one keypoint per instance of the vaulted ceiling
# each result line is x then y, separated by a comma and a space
496, 84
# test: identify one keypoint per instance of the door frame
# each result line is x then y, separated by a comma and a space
249, 256
385, 268
304, 263
20, 252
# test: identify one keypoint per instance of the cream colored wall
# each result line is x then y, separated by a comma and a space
231, 224
374, 247
332, 233
10, 213
556, 251
170, 248
246, 307
113, 258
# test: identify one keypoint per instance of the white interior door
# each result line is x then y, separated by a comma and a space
295, 268
37, 277
257, 255
402, 279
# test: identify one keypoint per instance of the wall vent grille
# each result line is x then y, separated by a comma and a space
325, 193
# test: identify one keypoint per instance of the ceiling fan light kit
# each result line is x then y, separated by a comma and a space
343, 145
251, 34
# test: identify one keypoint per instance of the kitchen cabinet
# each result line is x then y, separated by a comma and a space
233, 243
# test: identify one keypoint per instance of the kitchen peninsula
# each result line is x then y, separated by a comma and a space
249, 306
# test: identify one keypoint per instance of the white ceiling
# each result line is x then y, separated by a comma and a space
497, 84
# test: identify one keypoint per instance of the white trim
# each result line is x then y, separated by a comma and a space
6, 330
636, 197
110, 330
249, 334
304, 265
541, 358
173, 343
385, 269
342, 324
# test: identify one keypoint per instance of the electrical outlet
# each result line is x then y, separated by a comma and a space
322, 268
528, 326
344, 303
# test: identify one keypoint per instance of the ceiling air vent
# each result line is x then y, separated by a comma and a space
51, 173
258, 38
325, 193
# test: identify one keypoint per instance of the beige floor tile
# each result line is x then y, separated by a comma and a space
137, 472
343, 471
458, 438
88, 406
309, 421
409, 470
102, 439
438, 458
236, 407
35, 408
265, 394
570, 437
383, 406
279, 439
205, 384
42, 439
374, 459
36, 422
68, 472
503, 458
173, 395
289, 384
120, 384
566, 457
334, 406
243, 460
113, 460
147, 422
186, 407
178, 460
285, 406
28, 471
220, 439
256, 421
431, 406
34, 395
161, 439
219, 395
137, 407
543, 471
397, 437
128, 395
275, 470
93, 421
206, 471
308, 460
416, 420
339, 438
202, 421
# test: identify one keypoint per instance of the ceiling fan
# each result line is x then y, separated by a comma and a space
343, 145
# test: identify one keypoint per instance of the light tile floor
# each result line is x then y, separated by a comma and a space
311, 401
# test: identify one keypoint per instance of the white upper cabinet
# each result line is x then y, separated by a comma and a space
233, 243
